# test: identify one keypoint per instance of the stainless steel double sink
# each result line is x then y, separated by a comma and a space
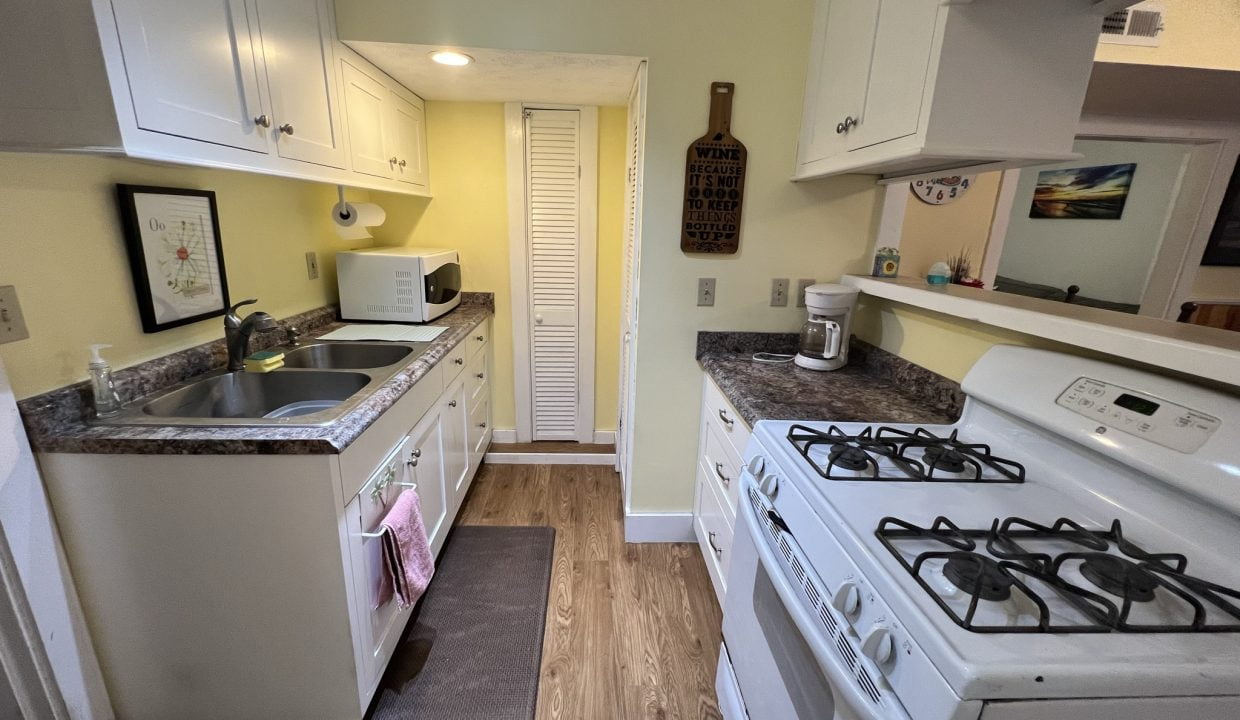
319, 383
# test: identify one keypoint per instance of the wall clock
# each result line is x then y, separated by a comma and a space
941, 190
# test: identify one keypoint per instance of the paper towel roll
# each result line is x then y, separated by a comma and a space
353, 220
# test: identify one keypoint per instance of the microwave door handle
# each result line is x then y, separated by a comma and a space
833, 347
844, 685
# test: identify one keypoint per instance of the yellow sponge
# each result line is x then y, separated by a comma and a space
264, 361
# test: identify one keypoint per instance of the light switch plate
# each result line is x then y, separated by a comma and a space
12, 323
312, 265
801, 285
779, 292
706, 292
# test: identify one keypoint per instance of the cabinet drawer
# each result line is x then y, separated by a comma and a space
476, 376
714, 535
480, 427
478, 337
453, 363
723, 468
718, 411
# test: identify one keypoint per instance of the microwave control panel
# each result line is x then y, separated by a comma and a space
1154, 419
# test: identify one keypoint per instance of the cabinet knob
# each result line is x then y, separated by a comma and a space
451, 403
412, 462
286, 128
459, 361
262, 121
480, 338
849, 123
392, 161
482, 425
401, 163
479, 376
416, 453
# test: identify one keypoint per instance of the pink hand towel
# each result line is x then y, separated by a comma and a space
407, 560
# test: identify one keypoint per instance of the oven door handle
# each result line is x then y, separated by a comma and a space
844, 684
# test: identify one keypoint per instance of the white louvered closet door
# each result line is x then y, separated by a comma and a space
628, 315
552, 162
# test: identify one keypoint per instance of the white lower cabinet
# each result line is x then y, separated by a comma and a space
236, 595
721, 440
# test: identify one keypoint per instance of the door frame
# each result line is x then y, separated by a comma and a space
626, 399
518, 256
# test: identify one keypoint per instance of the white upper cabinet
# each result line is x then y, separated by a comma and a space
251, 85
181, 82
408, 124
365, 104
915, 86
296, 42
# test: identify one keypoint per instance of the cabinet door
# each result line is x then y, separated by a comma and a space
408, 133
455, 442
365, 100
426, 456
838, 74
295, 36
897, 77
192, 69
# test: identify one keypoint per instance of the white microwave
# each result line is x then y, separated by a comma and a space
398, 284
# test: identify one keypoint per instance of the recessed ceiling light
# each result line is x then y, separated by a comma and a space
451, 57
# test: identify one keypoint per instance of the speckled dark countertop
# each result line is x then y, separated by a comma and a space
876, 386
56, 421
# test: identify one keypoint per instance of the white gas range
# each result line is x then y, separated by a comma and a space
1069, 549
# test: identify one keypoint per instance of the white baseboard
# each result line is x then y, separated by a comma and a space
505, 458
651, 527
509, 435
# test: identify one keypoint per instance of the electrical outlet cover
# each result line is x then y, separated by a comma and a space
801, 285
779, 292
706, 292
12, 323
312, 265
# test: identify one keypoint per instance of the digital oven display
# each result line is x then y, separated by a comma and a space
1136, 404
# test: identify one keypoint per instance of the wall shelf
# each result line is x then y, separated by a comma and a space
1191, 349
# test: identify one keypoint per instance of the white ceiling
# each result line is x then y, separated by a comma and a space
506, 75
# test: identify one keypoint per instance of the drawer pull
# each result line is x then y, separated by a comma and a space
482, 425
480, 376
451, 403
710, 539
416, 453
412, 462
480, 338
726, 420
719, 471
459, 361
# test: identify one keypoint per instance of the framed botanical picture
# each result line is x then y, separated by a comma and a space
1224, 245
175, 255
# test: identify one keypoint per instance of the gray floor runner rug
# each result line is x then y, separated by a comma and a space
474, 649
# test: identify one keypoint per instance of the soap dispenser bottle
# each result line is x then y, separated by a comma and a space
107, 401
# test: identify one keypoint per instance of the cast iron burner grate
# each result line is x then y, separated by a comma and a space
1115, 584
916, 456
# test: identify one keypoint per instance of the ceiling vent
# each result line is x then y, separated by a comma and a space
1141, 24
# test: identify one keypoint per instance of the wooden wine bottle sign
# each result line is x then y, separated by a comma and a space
714, 182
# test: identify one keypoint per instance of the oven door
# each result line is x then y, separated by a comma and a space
788, 663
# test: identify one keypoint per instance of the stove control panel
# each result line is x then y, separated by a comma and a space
1154, 419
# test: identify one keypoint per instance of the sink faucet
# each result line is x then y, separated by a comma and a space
237, 332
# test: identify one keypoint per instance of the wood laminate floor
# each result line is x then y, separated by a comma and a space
633, 631
553, 446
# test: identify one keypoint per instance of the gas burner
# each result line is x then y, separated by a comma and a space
1062, 578
978, 575
1120, 577
889, 454
849, 458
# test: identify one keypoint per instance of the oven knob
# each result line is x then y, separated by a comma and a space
756, 465
769, 485
847, 600
879, 646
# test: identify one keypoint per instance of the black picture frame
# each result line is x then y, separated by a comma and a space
193, 270
1223, 247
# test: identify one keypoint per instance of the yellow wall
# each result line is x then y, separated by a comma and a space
469, 212
936, 232
1215, 282
61, 246
1198, 33
789, 230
